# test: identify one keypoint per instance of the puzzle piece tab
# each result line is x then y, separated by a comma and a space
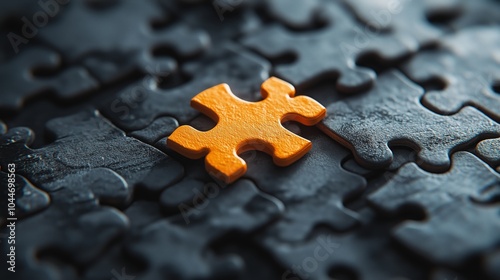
241, 209
468, 72
391, 114
328, 52
117, 37
489, 150
235, 134
313, 189
18, 82
85, 142
138, 105
460, 222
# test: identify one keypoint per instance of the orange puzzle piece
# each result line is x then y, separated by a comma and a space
244, 126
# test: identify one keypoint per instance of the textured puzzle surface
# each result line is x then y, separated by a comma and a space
398, 180
233, 135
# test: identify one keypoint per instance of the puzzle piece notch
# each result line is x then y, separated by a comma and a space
19, 83
401, 18
366, 252
97, 38
242, 208
86, 141
474, 13
141, 103
468, 72
63, 229
161, 127
313, 189
391, 114
295, 14
453, 216
319, 55
233, 135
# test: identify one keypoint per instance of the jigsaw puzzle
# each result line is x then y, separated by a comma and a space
391, 114
230, 137
189, 140
468, 73
20, 81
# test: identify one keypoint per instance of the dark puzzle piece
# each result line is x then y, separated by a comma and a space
391, 114
114, 262
141, 103
74, 229
460, 222
13, 14
86, 141
159, 128
221, 20
467, 71
196, 184
489, 150
296, 14
179, 251
400, 18
18, 81
366, 253
27, 198
329, 51
117, 38
313, 189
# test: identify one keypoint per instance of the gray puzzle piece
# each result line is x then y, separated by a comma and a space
296, 14
114, 262
489, 150
161, 127
313, 189
475, 13
141, 103
328, 52
28, 199
116, 40
179, 251
74, 226
366, 253
87, 141
468, 72
391, 114
401, 18
458, 225
222, 20
18, 83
